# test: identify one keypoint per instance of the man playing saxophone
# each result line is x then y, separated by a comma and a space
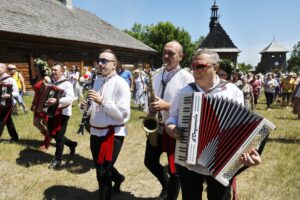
166, 83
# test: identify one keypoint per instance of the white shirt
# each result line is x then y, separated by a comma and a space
12, 81
177, 82
229, 91
68, 96
73, 77
115, 108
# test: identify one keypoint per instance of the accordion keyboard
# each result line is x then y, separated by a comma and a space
183, 122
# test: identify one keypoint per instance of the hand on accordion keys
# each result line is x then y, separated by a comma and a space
175, 132
51, 102
252, 158
5, 96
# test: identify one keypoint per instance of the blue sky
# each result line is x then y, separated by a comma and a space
251, 24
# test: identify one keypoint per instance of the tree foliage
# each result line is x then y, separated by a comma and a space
156, 36
243, 67
227, 66
294, 61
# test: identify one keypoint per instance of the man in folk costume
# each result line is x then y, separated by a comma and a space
58, 121
166, 83
109, 110
7, 103
205, 64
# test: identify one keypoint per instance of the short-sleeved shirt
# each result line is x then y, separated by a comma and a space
127, 75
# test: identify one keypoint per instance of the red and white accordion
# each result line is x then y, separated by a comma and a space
48, 91
6, 88
216, 132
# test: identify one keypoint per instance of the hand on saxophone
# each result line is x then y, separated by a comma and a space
95, 96
159, 104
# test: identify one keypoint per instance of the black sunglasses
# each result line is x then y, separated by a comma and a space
103, 61
201, 66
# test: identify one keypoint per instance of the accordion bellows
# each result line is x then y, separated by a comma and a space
216, 132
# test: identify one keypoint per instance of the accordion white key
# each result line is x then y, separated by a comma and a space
216, 132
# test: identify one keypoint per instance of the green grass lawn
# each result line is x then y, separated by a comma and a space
24, 173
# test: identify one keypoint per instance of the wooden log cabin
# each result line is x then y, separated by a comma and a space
58, 32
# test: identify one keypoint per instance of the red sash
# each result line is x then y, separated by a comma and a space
234, 189
106, 148
57, 121
168, 145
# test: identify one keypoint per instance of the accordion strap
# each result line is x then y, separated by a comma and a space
59, 82
221, 84
4, 78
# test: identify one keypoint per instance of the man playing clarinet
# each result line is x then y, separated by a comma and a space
109, 111
205, 66
6, 106
58, 121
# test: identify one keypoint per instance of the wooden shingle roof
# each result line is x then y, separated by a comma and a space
274, 47
219, 40
51, 19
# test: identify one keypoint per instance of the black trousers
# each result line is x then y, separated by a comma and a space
106, 172
192, 186
151, 161
269, 97
10, 127
60, 138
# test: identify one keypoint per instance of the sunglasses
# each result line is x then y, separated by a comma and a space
104, 61
201, 66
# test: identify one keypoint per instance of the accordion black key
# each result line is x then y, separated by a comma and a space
216, 132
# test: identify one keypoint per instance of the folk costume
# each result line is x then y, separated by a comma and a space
165, 85
192, 182
107, 121
6, 108
42, 116
57, 124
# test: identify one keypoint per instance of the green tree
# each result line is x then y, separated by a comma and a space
156, 36
260, 68
294, 61
243, 67
199, 41
227, 66
138, 31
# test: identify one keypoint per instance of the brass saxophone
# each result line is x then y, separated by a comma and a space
150, 124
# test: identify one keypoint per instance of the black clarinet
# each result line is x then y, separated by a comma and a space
85, 118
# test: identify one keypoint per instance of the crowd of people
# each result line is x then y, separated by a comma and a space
280, 89
108, 105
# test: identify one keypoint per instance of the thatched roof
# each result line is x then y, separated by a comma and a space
52, 19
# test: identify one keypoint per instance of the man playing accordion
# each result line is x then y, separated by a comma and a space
204, 66
58, 121
6, 106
